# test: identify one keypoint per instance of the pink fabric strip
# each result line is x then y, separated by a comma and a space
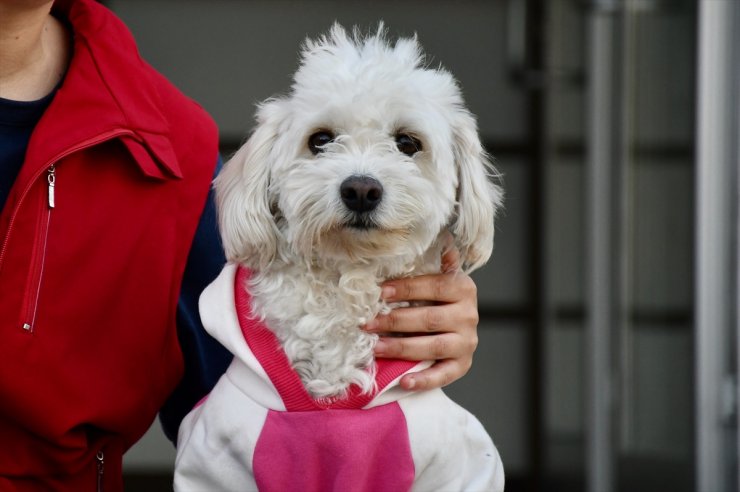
335, 451
271, 356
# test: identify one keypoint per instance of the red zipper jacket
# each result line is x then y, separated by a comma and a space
94, 239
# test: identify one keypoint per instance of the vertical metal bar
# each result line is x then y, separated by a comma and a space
601, 150
716, 167
536, 35
625, 51
734, 462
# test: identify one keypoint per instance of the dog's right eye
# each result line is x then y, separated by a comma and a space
407, 144
317, 141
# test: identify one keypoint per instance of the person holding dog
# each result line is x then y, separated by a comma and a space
107, 237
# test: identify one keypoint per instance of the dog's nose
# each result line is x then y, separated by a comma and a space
361, 193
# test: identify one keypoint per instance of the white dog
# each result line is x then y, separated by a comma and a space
354, 178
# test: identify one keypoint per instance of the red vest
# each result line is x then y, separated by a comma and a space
93, 243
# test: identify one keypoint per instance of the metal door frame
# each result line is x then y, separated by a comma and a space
717, 275
717, 242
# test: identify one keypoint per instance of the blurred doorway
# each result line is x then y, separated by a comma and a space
637, 360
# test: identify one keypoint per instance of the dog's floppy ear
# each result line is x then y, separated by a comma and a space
477, 196
248, 230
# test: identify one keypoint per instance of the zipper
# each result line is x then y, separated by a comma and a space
100, 459
38, 258
83, 145
30, 307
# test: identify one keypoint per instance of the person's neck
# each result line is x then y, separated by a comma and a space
34, 51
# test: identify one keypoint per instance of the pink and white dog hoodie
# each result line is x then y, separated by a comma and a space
259, 429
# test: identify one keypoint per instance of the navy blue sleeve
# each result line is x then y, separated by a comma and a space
205, 358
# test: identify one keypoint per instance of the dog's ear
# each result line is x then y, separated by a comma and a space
477, 196
248, 230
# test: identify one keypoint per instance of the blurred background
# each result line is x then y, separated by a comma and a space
609, 322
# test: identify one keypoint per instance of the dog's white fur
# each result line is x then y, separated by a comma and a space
315, 279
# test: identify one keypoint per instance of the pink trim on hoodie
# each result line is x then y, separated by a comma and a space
271, 356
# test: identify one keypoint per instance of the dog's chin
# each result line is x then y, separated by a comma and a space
361, 224
359, 239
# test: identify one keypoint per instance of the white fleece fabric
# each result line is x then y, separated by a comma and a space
243, 438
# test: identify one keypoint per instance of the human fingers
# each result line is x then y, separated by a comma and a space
427, 347
439, 375
442, 287
452, 317
450, 258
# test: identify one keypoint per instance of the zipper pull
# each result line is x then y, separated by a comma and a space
51, 178
101, 468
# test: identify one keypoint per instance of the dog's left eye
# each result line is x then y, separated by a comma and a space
408, 144
317, 141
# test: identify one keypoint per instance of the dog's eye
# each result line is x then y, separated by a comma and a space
317, 141
407, 144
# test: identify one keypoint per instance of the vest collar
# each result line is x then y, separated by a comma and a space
108, 92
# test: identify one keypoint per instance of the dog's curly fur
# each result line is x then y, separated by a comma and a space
316, 274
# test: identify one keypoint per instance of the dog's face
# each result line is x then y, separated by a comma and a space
369, 157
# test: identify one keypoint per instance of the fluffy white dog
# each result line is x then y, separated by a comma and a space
359, 175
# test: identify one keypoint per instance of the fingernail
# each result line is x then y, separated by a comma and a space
387, 292
372, 325
380, 347
411, 382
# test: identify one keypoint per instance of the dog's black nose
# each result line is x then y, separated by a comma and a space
361, 193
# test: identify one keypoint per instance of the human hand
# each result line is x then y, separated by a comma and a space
445, 331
